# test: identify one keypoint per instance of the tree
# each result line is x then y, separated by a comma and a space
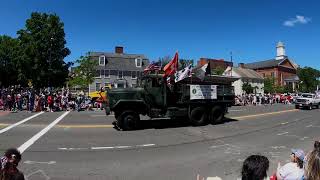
308, 77
246, 87
43, 43
9, 61
84, 74
269, 85
217, 71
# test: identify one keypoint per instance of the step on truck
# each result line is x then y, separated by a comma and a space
198, 101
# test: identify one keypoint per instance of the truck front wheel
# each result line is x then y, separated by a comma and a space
216, 115
198, 116
128, 120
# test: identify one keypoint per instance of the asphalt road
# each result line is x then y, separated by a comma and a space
84, 145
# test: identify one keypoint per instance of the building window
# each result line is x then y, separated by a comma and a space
134, 74
98, 75
272, 74
98, 86
106, 73
102, 60
138, 62
120, 74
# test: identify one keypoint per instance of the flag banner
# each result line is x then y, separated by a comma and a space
227, 72
201, 72
184, 73
172, 66
155, 66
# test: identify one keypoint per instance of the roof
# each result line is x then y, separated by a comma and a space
117, 55
125, 62
246, 73
263, 64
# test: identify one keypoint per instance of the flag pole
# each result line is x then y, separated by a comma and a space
231, 63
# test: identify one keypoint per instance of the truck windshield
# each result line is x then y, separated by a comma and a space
307, 95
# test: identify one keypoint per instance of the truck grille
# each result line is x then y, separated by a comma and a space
301, 100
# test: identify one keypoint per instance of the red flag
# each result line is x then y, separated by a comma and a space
172, 66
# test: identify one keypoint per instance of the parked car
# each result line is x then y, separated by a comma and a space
308, 100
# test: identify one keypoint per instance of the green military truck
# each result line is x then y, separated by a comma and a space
199, 101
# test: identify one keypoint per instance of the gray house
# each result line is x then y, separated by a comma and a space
117, 69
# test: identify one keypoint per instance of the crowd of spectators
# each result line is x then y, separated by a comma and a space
34, 100
259, 99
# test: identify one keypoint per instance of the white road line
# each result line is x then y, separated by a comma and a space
122, 147
32, 140
99, 148
284, 123
145, 145
282, 133
18, 123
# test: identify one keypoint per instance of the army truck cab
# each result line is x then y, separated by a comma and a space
198, 101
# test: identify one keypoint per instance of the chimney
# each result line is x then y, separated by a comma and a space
119, 49
241, 65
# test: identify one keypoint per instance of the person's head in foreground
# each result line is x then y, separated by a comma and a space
255, 167
312, 168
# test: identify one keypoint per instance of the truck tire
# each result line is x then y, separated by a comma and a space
310, 107
198, 116
128, 120
297, 106
216, 115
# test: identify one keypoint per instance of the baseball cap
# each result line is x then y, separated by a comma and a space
298, 153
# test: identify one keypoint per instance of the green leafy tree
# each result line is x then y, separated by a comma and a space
43, 43
269, 85
84, 74
217, 71
9, 61
308, 78
246, 87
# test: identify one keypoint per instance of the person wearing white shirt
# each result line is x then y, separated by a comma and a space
294, 169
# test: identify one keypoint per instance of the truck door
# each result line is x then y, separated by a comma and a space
155, 92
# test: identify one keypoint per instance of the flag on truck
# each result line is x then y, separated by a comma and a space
155, 66
172, 66
184, 73
201, 72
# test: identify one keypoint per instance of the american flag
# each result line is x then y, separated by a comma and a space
155, 66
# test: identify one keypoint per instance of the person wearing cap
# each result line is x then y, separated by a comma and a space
294, 169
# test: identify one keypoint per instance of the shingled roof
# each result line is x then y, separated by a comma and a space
263, 64
125, 62
246, 73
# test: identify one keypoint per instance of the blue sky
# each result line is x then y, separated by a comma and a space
194, 28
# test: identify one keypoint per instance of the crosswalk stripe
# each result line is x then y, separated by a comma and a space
20, 122
32, 140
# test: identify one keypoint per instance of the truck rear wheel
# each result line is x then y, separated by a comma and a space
216, 115
128, 120
198, 116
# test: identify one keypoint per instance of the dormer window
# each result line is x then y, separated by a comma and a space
102, 60
138, 62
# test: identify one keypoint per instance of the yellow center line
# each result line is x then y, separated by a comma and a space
111, 126
262, 114
86, 126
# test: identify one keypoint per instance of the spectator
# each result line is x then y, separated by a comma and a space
312, 167
294, 169
9, 164
255, 167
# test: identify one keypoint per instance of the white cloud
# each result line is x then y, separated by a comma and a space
297, 20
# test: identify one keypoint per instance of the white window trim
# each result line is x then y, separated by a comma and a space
136, 60
104, 60
121, 74
108, 73
136, 74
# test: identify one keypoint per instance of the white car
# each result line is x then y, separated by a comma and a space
307, 100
